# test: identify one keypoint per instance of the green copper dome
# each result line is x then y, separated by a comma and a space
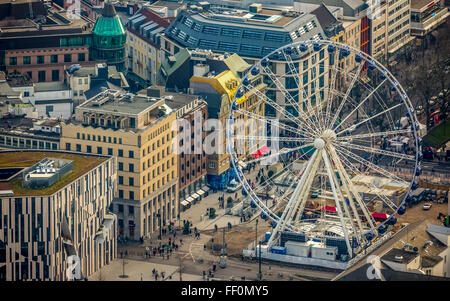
109, 26
109, 38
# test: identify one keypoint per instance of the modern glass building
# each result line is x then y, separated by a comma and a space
109, 38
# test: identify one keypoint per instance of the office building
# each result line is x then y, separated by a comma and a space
190, 138
40, 39
253, 34
137, 130
427, 15
144, 42
54, 205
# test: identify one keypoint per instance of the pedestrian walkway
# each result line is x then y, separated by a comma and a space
134, 270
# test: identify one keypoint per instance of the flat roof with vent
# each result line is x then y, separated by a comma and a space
119, 103
82, 163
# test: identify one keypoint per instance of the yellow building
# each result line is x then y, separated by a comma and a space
143, 40
219, 91
378, 33
137, 130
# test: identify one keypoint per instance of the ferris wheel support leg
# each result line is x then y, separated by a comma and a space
342, 199
338, 206
294, 197
358, 199
344, 176
305, 192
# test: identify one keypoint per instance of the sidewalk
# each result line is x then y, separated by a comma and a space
194, 214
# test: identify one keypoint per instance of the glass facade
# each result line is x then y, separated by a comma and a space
108, 39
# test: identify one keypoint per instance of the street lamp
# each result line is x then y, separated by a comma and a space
259, 271
256, 235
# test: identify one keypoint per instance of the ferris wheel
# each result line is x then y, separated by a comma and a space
339, 156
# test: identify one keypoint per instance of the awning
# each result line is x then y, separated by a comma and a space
195, 196
189, 199
329, 208
200, 192
261, 152
184, 203
379, 215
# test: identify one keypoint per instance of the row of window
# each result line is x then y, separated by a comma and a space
42, 75
98, 138
40, 59
27, 143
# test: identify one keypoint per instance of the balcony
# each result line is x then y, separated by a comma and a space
424, 27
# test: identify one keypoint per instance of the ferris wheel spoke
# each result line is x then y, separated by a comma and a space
379, 151
288, 96
332, 88
349, 89
282, 152
359, 105
271, 122
274, 138
377, 134
280, 109
369, 118
296, 78
366, 163
386, 200
275, 175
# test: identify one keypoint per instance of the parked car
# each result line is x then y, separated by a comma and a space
426, 206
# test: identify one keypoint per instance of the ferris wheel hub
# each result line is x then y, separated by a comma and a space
319, 143
328, 134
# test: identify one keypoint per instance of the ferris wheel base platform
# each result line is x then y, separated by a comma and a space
335, 265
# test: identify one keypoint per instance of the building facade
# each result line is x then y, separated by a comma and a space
31, 47
240, 31
137, 130
398, 24
44, 225
218, 91
427, 16
23, 133
143, 42
191, 114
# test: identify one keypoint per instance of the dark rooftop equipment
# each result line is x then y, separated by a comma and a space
155, 91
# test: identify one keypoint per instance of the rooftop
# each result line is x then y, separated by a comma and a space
419, 4
172, 99
116, 102
51, 86
24, 159
49, 20
419, 238
21, 126
241, 31
18, 80
265, 17
400, 256
169, 4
